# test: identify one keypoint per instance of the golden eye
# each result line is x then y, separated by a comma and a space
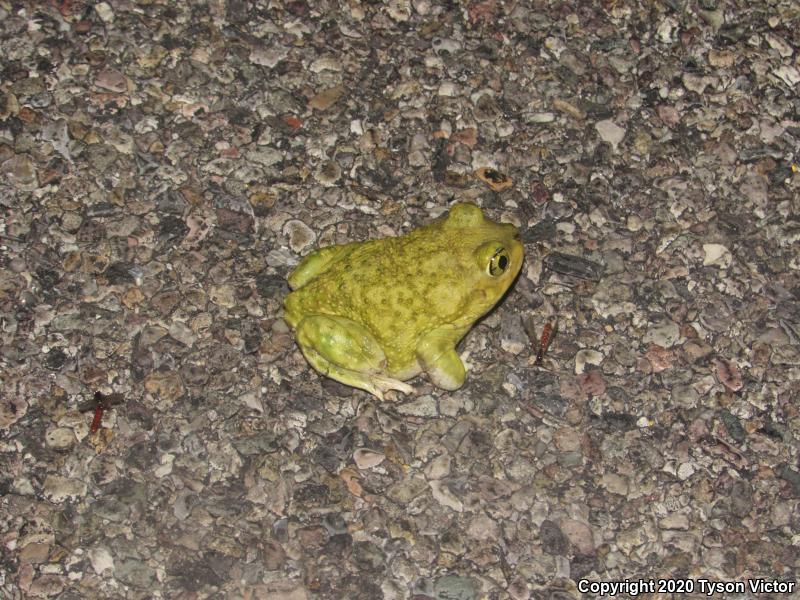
499, 262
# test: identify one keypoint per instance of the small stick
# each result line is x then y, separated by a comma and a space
544, 342
99, 404
98, 417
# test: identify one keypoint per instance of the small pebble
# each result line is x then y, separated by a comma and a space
717, 255
104, 11
610, 132
366, 459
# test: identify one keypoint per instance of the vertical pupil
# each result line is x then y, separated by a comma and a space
503, 262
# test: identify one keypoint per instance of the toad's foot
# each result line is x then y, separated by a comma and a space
380, 385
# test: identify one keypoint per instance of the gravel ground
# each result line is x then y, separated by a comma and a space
165, 165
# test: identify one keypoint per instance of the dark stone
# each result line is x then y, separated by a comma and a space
793, 478
454, 587
47, 278
92, 231
252, 335
552, 538
172, 229
234, 221
111, 509
334, 523
119, 273
259, 443
141, 360
619, 421
312, 537
270, 286
55, 359
552, 403
274, 555
581, 565
135, 573
338, 545
125, 490
327, 458
575, 266
192, 575
733, 425
236, 12
142, 456
368, 556
234, 214
774, 430
165, 302
741, 498
194, 374
441, 162
731, 33
334, 388
542, 231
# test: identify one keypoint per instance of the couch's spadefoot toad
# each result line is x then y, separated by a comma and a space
372, 314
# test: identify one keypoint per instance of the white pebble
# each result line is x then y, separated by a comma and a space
717, 254
104, 11
685, 470
610, 132
366, 458
587, 357
101, 559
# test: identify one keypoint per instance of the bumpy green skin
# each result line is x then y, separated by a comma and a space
372, 314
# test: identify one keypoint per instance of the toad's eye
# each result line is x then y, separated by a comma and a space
493, 258
499, 262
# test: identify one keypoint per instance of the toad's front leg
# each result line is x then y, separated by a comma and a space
437, 355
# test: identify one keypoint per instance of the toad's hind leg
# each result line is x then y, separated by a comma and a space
346, 351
